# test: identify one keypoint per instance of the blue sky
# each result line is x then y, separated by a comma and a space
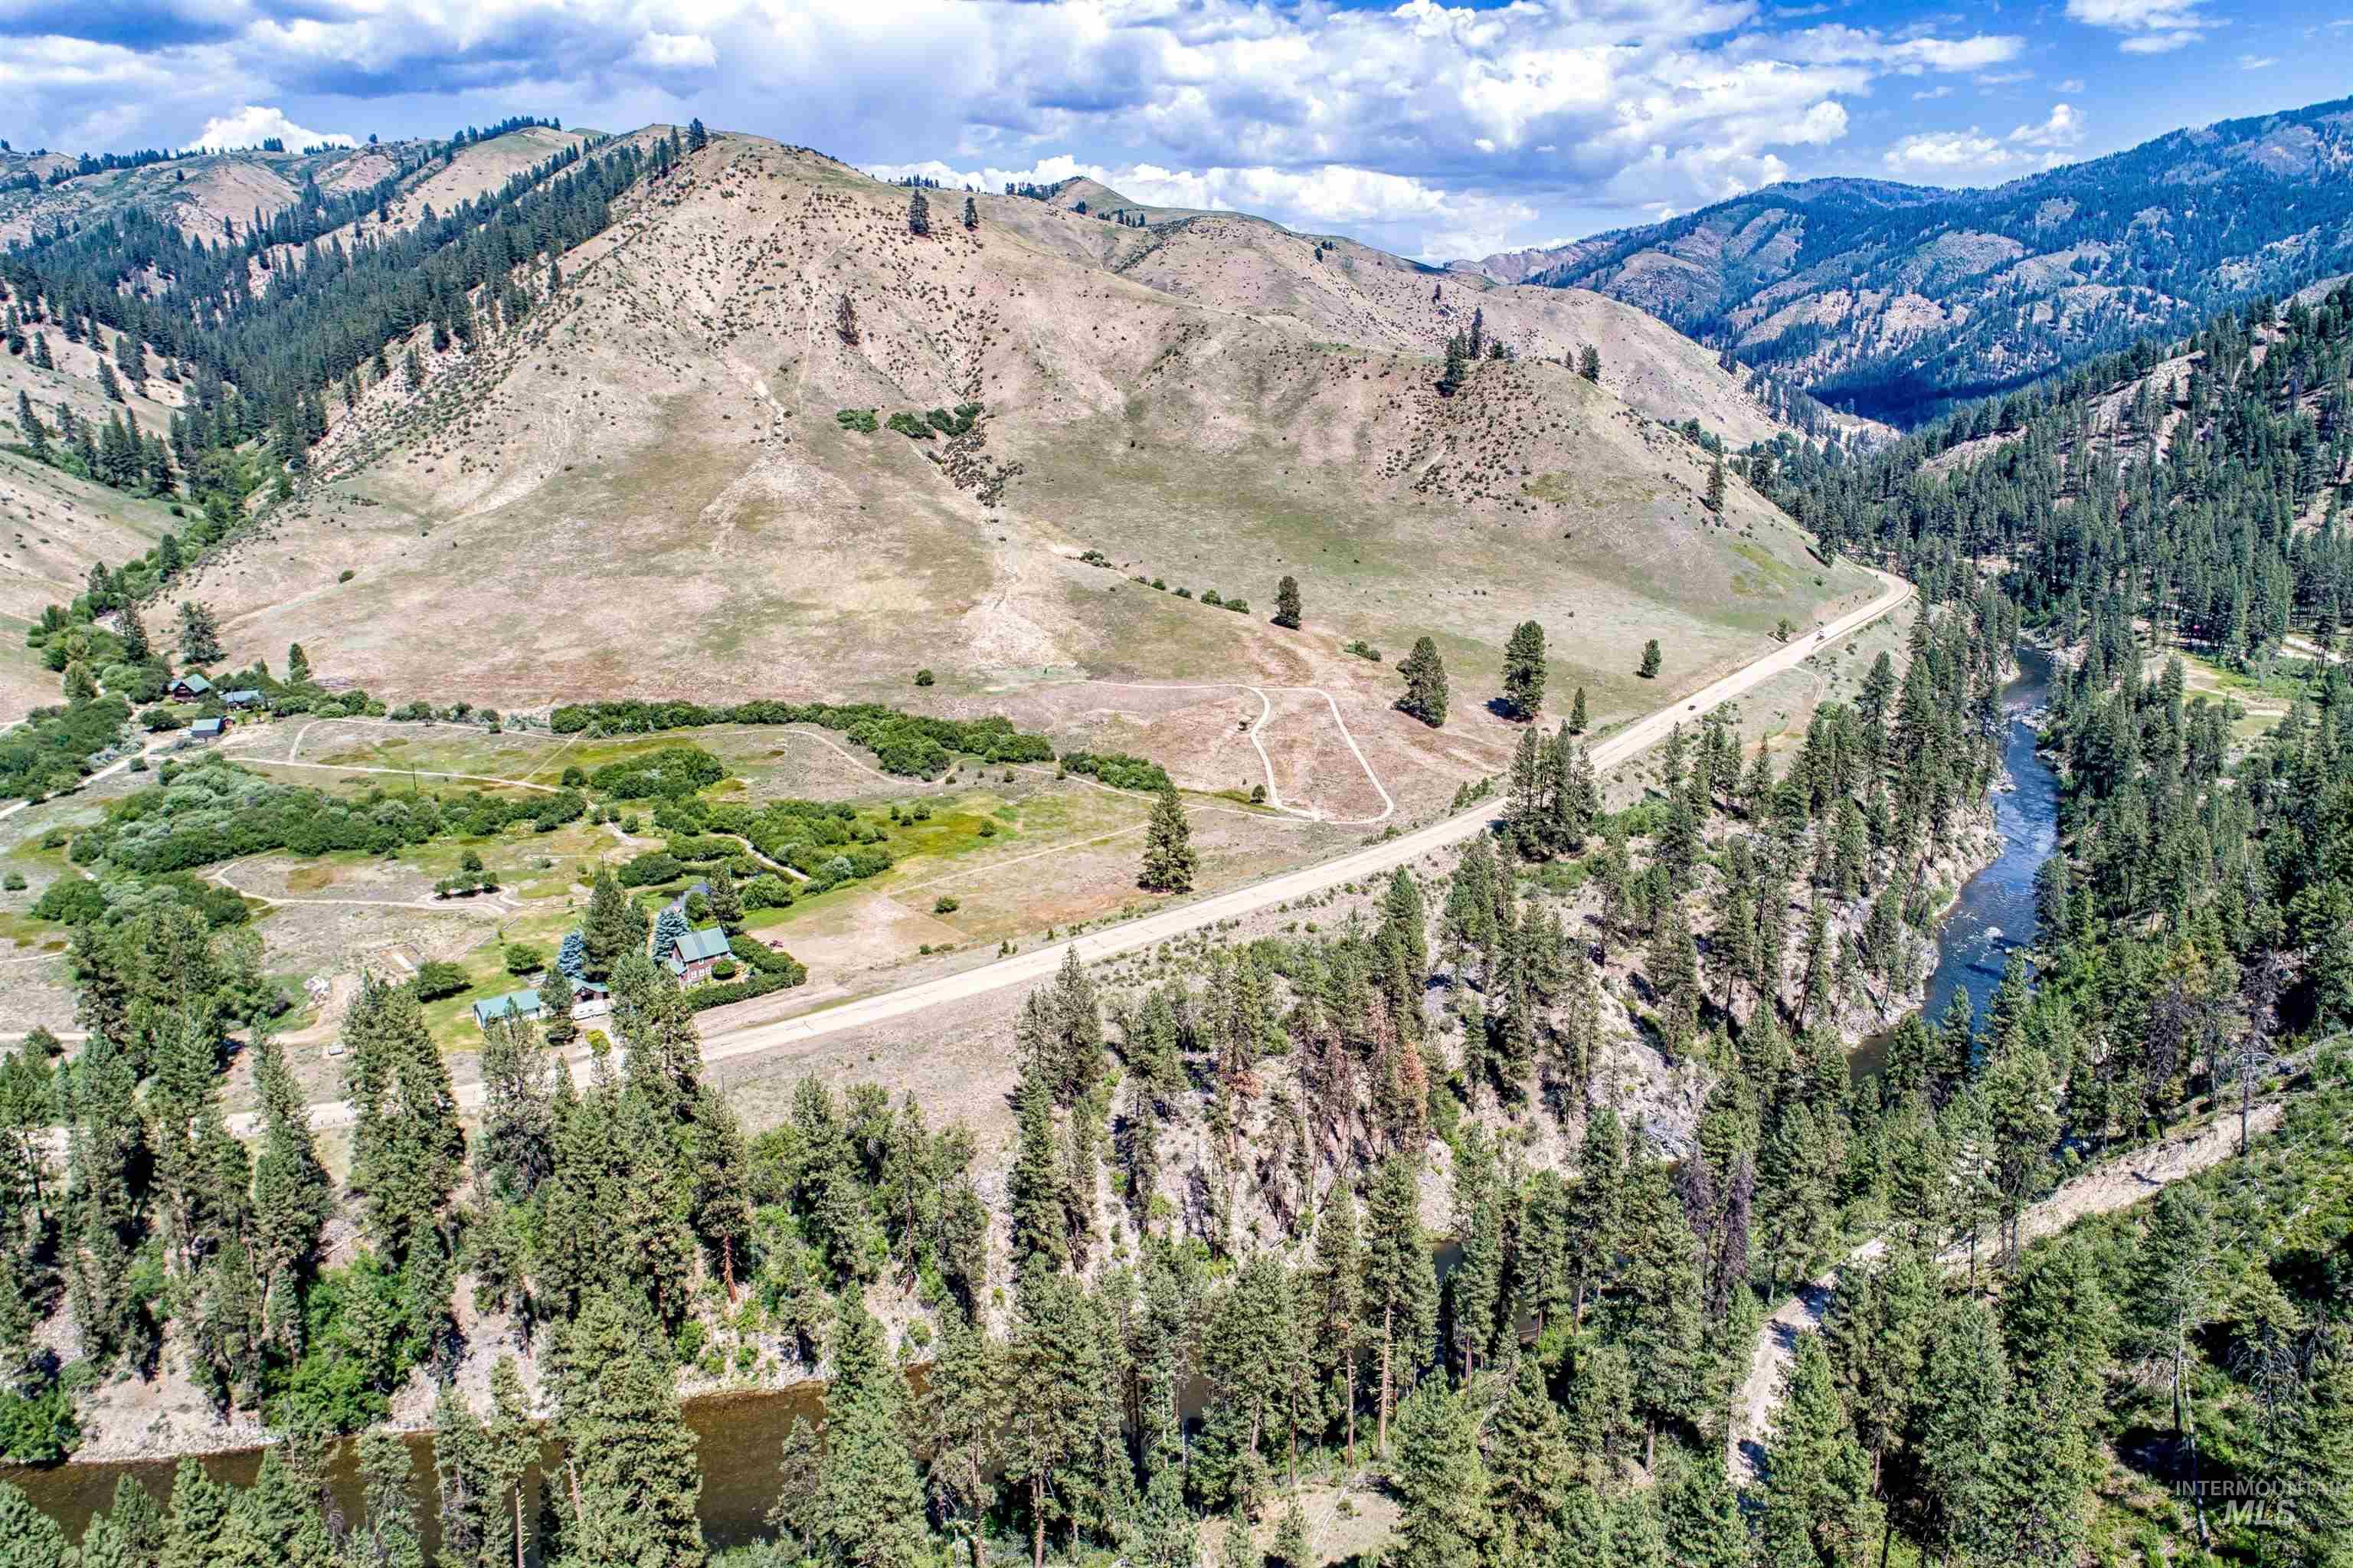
1435, 129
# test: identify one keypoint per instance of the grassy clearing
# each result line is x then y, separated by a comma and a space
2258, 701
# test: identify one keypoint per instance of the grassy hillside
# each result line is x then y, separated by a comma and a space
647, 489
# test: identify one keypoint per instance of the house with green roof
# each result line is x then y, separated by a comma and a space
696, 953
522, 1004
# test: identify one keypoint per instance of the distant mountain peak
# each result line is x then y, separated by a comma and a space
1897, 299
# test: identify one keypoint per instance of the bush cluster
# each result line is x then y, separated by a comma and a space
1118, 769
217, 810
909, 744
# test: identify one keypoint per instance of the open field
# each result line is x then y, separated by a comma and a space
1017, 850
957, 1061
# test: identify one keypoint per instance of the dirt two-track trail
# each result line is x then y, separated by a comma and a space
2102, 1190
757, 1038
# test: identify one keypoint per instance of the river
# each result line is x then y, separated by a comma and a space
739, 1435
1995, 910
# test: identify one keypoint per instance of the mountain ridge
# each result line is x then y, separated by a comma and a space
1899, 301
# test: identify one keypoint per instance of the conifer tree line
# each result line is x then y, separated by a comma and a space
2178, 483
264, 327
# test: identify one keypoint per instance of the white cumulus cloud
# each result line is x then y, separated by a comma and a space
1945, 152
1973, 152
254, 124
2149, 27
1578, 112
672, 51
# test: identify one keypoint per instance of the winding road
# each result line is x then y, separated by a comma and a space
759, 1037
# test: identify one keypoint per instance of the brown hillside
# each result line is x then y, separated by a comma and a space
644, 492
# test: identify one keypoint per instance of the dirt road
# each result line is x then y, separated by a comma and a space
2118, 1184
762, 1036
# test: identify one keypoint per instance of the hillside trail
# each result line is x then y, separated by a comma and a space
2117, 1184
1265, 714
760, 1036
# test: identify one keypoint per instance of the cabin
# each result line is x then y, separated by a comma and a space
522, 1005
189, 687
591, 999
695, 954
208, 729
247, 698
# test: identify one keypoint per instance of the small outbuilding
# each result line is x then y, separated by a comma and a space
247, 698
522, 1005
208, 729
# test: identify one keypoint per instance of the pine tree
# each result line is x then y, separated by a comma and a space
557, 1000
1401, 1284
1650, 669
136, 649
129, 1534
1292, 1546
1577, 724
36, 434
966, 1412
199, 633
515, 1151
1457, 364
919, 214
1168, 857
1335, 1313
726, 902
2176, 1290
971, 214
1286, 602
1701, 1513
1441, 1481
407, 1149
1817, 1507
510, 1451
199, 1513
1589, 362
469, 1499
656, 1023
293, 1199
1715, 498
613, 927
1963, 1387
869, 1507
670, 929
1425, 683
106, 1151
1657, 1311
1057, 1356
32, 1539
297, 666
1523, 671
629, 1473
697, 138
389, 1535
1035, 1188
